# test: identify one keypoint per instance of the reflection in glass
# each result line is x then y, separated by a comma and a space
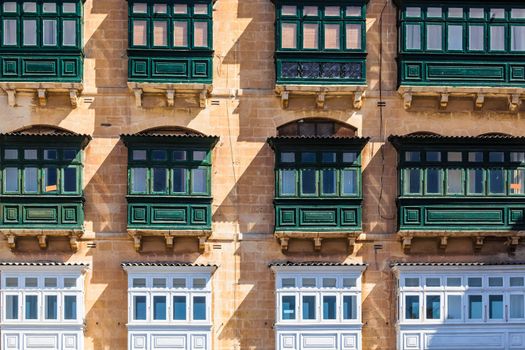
329, 307
411, 307
11, 179
475, 307
349, 307
30, 180
70, 180
412, 181
309, 307
496, 307
199, 181
31, 307
138, 179
329, 181
434, 181
51, 306
160, 179
288, 182
139, 307
308, 181
199, 308
454, 181
517, 306
179, 180
288, 307
433, 307
475, 181
70, 307
454, 307
179, 307
496, 181
159, 307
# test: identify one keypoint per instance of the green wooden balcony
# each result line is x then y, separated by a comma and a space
51, 67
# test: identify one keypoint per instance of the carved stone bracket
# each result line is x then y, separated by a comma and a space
170, 91
14, 89
169, 237
477, 237
316, 237
513, 95
42, 236
321, 93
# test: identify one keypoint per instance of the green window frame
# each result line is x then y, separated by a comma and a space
48, 170
147, 162
481, 173
56, 25
197, 18
503, 21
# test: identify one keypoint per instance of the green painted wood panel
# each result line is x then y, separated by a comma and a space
27, 67
324, 69
166, 69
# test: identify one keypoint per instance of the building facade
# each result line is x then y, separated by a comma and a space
234, 174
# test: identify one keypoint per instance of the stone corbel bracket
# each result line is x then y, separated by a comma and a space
513, 95
478, 238
316, 237
41, 90
43, 237
321, 93
169, 237
170, 91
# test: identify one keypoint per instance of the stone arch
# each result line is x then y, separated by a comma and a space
316, 127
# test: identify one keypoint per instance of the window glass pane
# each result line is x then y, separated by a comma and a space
475, 157
288, 182
413, 12
11, 282
517, 38
349, 282
288, 282
309, 282
287, 157
288, 307
200, 34
411, 307
200, 9
332, 11
199, 155
50, 179
50, 7
179, 180
140, 8
180, 9
496, 157
50, 154
139, 307
434, 12
11, 154
289, 10
434, 181
31, 282
160, 8
179, 155
475, 181
496, 307
160, 33
517, 13
454, 307
308, 157
139, 155
432, 282
139, 283
475, 307
476, 13
159, 283
288, 35
349, 157
412, 181
29, 32
70, 180
516, 306
496, 181
413, 36
69, 154
30, 180
329, 307
412, 282
434, 37
353, 36
497, 38
69, 7
179, 308
51, 312
199, 283
70, 33
476, 37
454, 156
159, 307
455, 37
9, 32
180, 33
349, 307
140, 32
495, 281
199, 308
329, 282
138, 179
329, 181
349, 182
160, 179
311, 11
31, 307
475, 282
308, 182
353, 11
11, 179
49, 32
70, 307
311, 36
199, 181
517, 282
433, 156
433, 307
70, 282
11, 307
179, 283
50, 282
309, 307
455, 12
10, 6
454, 282
497, 13
454, 181
332, 36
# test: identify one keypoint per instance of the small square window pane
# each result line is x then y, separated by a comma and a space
454, 156
289, 10
139, 283
199, 155
517, 38
432, 282
10, 6
159, 283
50, 154
497, 13
69, 154
495, 281
413, 36
353, 11
454, 282
308, 157
70, 282
349, 157
30, 154
179, 283
160, 8
11, 282
31, 282
411, 282
69, 7
455, 37
476, 38
349, 282
329, 282
139, 155
332, 36
328, 157
10, 35
332, 11
10, 154
179, 156
517, 13
49, 7
140, 8
310, 36
200, 9
434, 12
29, 6
288, 282
517, 157
140, 33
287, 157
475, 281
353, 36
199, 283
517, 282
311, 11
309, 283
433, 156
475, 157
497, 38
496, 157
50, 282
180, 9
413, 12
159, 155
476, 13
455, 12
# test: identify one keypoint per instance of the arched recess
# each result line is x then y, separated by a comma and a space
423, 133
169, 130
495, 134
42, 129
316, 127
